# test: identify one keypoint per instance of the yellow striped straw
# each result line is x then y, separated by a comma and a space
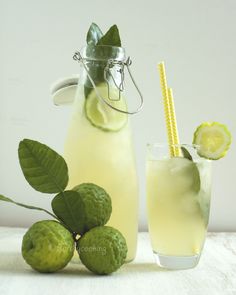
169, 109
164, 90
173, 122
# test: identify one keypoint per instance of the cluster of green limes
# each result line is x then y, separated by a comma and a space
48, 246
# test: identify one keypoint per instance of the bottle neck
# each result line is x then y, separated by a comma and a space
97, 71
103, 65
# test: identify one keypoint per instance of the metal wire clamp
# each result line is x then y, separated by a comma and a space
107, 71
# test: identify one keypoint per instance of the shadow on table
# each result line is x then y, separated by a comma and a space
13, 263
141, 267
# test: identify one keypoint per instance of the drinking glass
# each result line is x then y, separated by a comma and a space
178, 203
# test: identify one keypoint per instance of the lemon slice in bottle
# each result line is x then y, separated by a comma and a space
213, 139
101, 115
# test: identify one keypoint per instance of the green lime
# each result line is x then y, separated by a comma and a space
97, 205
47, 246
102, 250
213, 139
101, 115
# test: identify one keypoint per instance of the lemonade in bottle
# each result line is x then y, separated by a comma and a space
99, 146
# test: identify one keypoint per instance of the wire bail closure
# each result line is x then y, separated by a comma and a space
107, 71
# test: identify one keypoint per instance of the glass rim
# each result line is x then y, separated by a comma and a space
166, 144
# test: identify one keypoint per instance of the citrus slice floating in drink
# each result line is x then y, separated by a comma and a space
213, 139
103, 116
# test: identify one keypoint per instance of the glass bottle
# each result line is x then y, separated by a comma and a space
99, 146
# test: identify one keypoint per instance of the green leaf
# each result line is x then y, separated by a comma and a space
87, 91
196, 178
194, 170
112, 37
69, 207
186, 153
44, 169
94, 34
5, 199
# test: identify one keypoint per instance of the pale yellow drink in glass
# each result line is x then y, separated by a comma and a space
178, 201
106, 159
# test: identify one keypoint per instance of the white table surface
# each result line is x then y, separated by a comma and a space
215, 274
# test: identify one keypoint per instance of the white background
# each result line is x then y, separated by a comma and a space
197, 40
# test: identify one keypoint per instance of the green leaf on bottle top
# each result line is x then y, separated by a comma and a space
112, 37
69, 208
96, 37
5, 199
94, 34
44, 169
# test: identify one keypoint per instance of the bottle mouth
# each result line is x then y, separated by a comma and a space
103, 53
